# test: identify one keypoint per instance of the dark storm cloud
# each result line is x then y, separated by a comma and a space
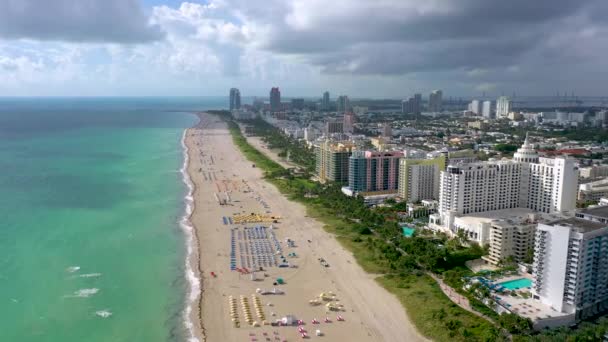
116, 21
404, 36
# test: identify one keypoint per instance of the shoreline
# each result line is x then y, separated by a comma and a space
193, 273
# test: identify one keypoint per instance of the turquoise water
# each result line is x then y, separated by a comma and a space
408, 232
516, 284
90, 200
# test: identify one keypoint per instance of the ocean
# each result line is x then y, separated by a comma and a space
91, 198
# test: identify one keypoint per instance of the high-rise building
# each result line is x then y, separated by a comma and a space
325, 102
343, 103
349, 122
419, 178
475, 107
373, 171
503, 107
235, 99
387, 131
332, 160
570, 271
412, 105
405, 106
486, 110
544, 185
417, 104
436, 101
275, 99
334, 126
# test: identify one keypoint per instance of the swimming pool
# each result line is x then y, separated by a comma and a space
516, 284
407, 231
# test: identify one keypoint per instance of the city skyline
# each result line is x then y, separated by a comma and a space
155, 47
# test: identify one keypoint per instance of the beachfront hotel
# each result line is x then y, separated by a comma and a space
544, 185
332, 160
570, 272
419, 178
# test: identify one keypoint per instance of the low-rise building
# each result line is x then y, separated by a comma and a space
593, 191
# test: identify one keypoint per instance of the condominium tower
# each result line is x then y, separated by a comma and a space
570, 272
503, 107
275, 99
235, 99
419, 178
373, 171
332, 161
435, 101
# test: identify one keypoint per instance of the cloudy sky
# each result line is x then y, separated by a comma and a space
377, 48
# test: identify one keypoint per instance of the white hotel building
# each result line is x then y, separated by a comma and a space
542, 185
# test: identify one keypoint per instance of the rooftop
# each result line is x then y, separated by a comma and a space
601, 211
582, 225
507, 217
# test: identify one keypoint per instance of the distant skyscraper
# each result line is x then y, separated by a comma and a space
275, 99
475, 107
343, 103
417, 105
235, 99
486, 110
435, 101
325, 104
503, 107
405, 106
412, 105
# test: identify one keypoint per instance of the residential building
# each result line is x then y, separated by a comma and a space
570, 272
343, 104
593, 191
436, 101
325, 102
503, 107
595, 171
419, 178
349, 122
475, 107
387, 131
235, 99
332, 160
334, 127
311, 134
412, 105
275, 99
486, 110
478, 125
373, 172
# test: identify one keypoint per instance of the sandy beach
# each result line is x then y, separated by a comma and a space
220, 173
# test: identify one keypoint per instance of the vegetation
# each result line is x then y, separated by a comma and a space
506, 148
